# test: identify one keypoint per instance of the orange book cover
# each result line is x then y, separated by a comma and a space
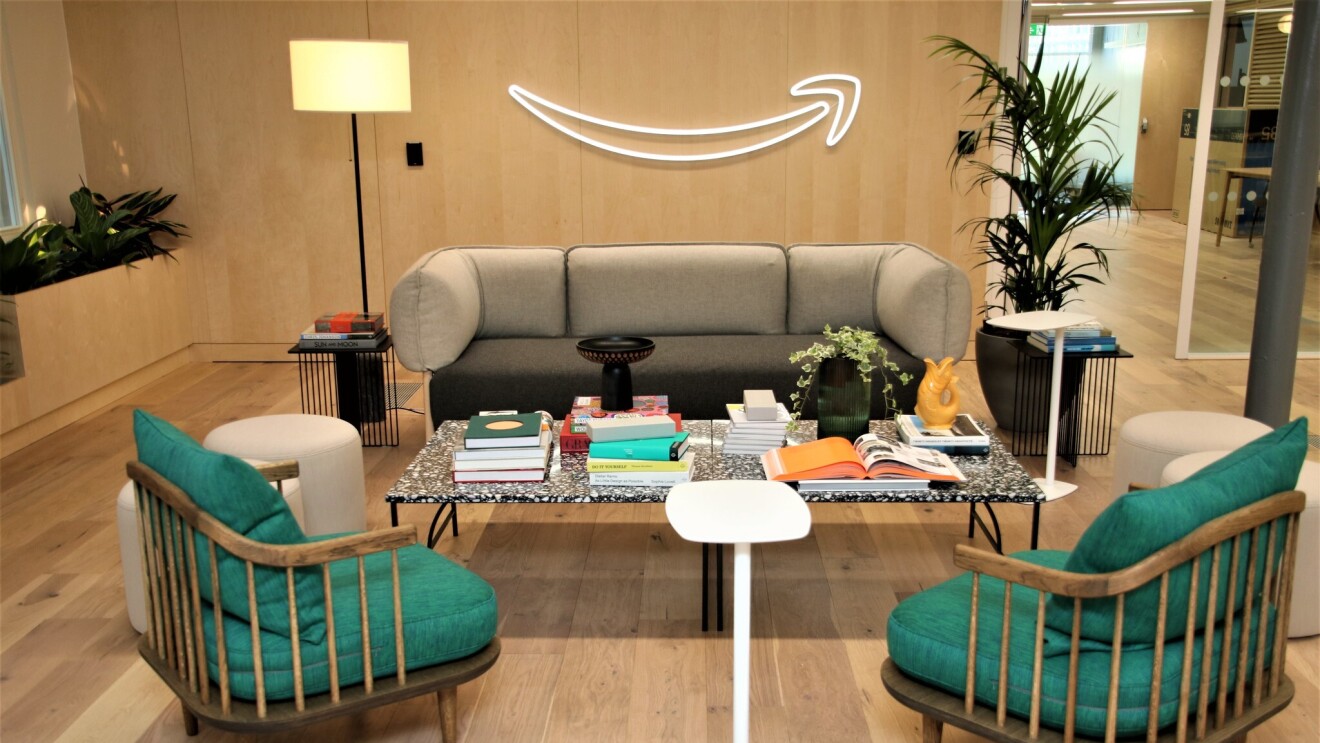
870, 457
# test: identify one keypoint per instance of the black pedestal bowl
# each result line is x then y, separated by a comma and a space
615, 352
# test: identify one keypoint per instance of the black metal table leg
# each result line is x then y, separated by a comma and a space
705, 587
394, 514
971, 521
719, 588
996, 539
1035, 523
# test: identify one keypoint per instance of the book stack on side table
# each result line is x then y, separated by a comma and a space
965, 436
1086, 337
504, 448
345, 331
755, 436
638, 452
871, 463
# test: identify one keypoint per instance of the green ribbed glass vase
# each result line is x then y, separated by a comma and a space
843, 400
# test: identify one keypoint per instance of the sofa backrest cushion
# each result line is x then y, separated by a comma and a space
677, 289
522, 291
1143, 522
832, 284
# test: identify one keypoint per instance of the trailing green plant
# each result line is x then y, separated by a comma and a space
862, 346
25, 260
105, 233
1044, 125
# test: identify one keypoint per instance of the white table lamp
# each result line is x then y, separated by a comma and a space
1056, 321
349, 76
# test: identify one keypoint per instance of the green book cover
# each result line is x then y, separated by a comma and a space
667, 449
487, 431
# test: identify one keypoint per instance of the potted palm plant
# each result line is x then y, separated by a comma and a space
1046, 127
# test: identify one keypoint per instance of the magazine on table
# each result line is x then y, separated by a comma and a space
869, 457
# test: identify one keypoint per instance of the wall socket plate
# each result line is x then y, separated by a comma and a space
413, 153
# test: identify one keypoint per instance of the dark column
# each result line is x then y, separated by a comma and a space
1287, 225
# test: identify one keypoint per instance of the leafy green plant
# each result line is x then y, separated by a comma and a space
1044, 125
26, 262
862, 346
105, 233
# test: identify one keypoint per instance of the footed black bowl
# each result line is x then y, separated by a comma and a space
615, 352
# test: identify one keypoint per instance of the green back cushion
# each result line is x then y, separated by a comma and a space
928, 639
1141, 523
448, 613
230, 490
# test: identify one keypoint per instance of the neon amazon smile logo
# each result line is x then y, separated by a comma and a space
837, 100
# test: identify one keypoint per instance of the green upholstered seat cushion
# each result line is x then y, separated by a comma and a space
230, 490
448, 613
928, 635
1141, 523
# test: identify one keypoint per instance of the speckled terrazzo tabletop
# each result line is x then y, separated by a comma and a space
996, 477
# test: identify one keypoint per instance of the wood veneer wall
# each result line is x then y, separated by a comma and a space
195, 96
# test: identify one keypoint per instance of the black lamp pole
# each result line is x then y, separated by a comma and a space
362, 243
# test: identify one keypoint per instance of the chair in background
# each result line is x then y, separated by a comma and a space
1168, 620
256, 627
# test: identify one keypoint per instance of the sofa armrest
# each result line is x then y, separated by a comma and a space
924, 303
435, 309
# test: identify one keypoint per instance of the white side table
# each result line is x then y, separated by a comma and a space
742, 512
1056, 321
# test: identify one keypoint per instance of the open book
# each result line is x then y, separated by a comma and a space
869, 457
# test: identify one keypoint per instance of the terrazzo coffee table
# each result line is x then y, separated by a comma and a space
991, 478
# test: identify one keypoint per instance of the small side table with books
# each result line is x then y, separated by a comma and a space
355, 383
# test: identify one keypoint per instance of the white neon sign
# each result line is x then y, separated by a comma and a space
810, 86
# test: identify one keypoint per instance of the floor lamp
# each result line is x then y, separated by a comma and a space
351, 77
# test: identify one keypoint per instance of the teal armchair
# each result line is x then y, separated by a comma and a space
1167, 622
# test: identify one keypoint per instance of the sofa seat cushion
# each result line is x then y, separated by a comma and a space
928, 635
701, 374
448, 613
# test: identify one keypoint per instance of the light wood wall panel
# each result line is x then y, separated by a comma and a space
684, 65
492, 173
1170, 82
279, 226
133, 104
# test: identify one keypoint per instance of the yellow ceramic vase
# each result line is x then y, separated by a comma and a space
934, 410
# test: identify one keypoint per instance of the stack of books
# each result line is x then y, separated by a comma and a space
871, 463
344, 331
663, 459
586, 409
1088, 336
755, 436
965, 436
504, 447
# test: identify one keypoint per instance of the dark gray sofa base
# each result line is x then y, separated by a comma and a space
699, 373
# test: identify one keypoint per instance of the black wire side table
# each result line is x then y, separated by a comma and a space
1086, 410
356, 385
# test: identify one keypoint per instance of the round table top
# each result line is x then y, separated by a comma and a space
733, 511
1040, 320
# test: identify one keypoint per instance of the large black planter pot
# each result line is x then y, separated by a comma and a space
1005, 387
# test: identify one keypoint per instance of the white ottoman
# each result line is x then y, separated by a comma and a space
1304, 617
329, 455
130, 551
1148, 442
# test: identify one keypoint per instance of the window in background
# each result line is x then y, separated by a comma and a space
8, 188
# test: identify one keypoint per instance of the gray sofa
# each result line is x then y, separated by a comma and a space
496, 326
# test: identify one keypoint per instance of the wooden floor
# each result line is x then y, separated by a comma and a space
599, 604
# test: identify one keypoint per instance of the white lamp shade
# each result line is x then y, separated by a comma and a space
350, 76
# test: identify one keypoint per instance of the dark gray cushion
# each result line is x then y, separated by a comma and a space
699, 373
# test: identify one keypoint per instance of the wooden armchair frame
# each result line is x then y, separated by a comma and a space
1270, 689
174, 644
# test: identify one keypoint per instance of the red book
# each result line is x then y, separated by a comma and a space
578, 443
350, 322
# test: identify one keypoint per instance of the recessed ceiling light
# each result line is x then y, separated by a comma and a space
1127, 13
1059, 5
1157, 2
1265, 10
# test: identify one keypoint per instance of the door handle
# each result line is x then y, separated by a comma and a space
1145, 124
